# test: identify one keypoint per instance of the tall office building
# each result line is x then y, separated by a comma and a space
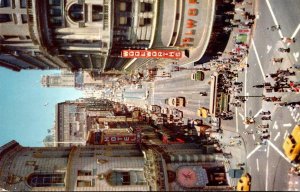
183, 167
64, 79
90, 34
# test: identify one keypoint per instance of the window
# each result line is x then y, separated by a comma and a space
24, 18
97, 13
125, 21
84, 173
146, 7
54, 2
23, 4
125, 6
85, 183
46, 180
5, 18
76, 12
56, 22
126, 178
4, 3
55, 12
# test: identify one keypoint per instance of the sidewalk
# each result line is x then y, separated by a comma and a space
230, 145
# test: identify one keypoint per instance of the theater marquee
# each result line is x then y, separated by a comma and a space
173, 54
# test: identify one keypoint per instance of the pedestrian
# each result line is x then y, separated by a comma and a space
288, 40
277, 60
274, 27
284, 50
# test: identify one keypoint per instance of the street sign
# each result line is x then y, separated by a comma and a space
173, 54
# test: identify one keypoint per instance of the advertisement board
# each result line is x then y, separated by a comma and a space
173, 54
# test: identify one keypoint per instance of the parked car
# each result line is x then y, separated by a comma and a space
165, 110
176, 101
177, 113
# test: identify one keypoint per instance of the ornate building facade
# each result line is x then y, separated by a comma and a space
90, 34
183, 167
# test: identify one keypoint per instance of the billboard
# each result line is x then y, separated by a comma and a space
172, 54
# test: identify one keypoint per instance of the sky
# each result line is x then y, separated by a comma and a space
24, 115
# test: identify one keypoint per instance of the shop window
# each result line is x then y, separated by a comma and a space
5, 18
4, 3
97, 13
84, 173
76, 12
23, 3
24, 18
46, 179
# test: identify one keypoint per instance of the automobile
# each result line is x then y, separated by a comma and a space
165, 110
155, 108
177, 113
198, 76
244, 183
176, 101
291, 145
203, 112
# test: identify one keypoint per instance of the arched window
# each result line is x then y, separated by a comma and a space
46, 179
116, 178
76, 12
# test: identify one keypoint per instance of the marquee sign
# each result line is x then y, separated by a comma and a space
119, 138
173, 54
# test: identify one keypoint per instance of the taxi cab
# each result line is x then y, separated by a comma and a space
244, 183
203, 112
291, 145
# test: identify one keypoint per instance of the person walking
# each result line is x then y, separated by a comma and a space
284, 50
288, 40
274, 27
277, 60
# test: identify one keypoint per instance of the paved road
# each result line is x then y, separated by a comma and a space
266, 163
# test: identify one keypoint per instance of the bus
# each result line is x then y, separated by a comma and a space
291, 145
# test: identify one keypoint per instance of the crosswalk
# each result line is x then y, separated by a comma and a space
295, 114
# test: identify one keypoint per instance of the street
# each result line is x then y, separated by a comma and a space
265, 158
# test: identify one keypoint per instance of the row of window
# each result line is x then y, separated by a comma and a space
114, 178
4, 18
12, 3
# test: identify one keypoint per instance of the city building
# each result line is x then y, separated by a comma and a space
110, 168
83, 80
79, 122
90, 34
